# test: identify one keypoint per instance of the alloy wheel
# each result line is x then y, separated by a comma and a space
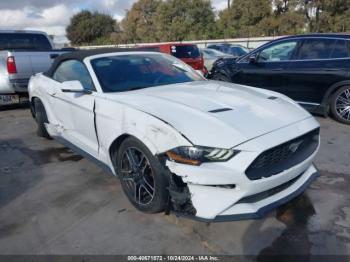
343, 104
137, 176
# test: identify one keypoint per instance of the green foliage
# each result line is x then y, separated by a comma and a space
245, 18
139, 24
333, 16
85, 27
178, 20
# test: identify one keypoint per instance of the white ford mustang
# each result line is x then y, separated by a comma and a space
208, 150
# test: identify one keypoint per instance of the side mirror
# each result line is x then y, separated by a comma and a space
253, 59
74, 87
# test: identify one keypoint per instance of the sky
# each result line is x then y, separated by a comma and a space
52, 16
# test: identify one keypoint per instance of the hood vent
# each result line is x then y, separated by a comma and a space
220, 110
272, 97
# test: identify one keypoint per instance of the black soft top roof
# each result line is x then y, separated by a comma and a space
80, 55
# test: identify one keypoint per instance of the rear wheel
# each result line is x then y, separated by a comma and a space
340, 105
142, 177
41, 119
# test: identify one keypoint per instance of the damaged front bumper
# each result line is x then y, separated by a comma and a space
266, 201
214, 192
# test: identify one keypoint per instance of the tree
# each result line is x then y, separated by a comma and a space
245, 18
86, 27
287, 18
334, 16
138, 24
179, 20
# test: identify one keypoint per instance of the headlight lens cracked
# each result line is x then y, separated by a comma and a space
196, 155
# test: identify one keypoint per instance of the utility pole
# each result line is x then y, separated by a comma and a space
228, 4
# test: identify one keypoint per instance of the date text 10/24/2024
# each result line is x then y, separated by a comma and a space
173, 258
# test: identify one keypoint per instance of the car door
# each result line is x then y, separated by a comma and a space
75, 111
266, 67
319, 63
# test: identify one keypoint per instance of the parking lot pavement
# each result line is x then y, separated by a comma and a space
53, 201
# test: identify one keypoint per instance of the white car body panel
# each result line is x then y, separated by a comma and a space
188, 101
167, 117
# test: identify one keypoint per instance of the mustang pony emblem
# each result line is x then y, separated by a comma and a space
294, 147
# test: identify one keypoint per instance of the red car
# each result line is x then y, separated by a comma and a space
189, 53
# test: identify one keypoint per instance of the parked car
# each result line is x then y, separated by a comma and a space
22, 54
209, 150
313, 69
234, 50
211, 55
188, 53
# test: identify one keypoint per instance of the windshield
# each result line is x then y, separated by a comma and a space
121, 73
238, 51
24, 41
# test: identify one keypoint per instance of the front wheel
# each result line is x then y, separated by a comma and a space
142, 177
340, 105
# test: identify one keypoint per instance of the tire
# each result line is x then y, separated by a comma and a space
340, 105
41, 119
221, 77
142, 178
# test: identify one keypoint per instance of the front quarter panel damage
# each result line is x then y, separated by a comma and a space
156, 134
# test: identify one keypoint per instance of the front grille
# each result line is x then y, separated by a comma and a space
284, 156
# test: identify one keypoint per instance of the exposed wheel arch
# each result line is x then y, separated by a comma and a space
113, 149
39, 113
32, 105
115, 145
327, 97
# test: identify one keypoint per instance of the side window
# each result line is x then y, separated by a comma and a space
341, 49
74, 70
316, 49
278, 52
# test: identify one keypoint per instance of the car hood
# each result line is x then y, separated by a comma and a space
215, 114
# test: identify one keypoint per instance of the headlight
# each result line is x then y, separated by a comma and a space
196, 155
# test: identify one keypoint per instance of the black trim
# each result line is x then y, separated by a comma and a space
83, 153
80, 55
220, 110
266, 194
262, 211
316, 109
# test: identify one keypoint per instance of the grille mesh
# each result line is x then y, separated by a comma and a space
284, 156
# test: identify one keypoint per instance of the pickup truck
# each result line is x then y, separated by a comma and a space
22, 54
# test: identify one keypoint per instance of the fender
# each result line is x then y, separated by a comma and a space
157, 135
